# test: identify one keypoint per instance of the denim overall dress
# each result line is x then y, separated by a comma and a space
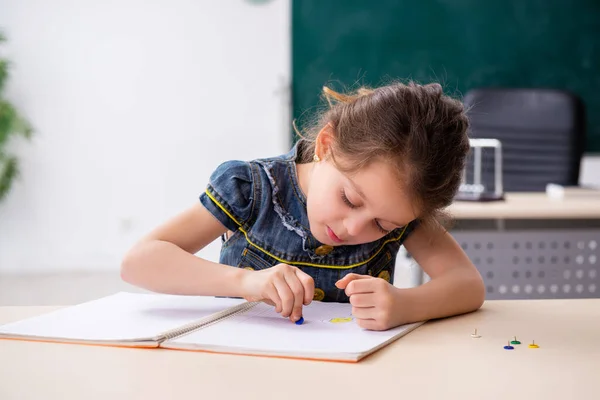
261, 202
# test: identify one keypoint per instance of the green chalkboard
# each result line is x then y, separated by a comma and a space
461, 44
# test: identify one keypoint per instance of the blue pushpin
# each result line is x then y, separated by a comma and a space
509, 347
300, 321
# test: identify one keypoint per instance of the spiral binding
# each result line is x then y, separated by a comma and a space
206, 322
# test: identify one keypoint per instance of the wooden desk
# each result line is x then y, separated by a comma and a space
439, 360
532, 246
530, 206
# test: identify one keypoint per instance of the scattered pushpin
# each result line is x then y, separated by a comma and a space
509, 347
300, 321
533, 345
515, 341
475, 335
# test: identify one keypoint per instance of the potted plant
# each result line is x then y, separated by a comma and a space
11, 124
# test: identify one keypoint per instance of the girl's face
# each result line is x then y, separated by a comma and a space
353, 209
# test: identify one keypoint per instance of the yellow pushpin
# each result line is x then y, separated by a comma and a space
475, 335
533, 345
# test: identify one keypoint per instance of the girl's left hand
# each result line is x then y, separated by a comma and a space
375, 302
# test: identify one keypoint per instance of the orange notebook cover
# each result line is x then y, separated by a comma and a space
201, 323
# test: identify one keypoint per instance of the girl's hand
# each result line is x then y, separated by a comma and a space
375, 302
283, 286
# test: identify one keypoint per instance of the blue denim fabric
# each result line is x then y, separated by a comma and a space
261, 202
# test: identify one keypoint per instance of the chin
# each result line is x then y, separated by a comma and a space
322, 237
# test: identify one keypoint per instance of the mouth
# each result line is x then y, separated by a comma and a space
333, 236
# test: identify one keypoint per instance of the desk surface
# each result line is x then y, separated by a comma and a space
438, 360
530, 205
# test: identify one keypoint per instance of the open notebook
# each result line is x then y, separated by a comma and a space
212, 324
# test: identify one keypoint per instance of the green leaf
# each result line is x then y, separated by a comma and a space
12, 123
9, 170
3, 73
7, 116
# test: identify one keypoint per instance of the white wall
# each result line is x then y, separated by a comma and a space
134, 103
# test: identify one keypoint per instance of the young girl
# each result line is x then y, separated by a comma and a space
325, 221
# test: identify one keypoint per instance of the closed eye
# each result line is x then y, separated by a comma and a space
351, 205
348, 202
384, 231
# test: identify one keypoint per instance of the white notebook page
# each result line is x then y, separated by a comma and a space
327, 328
122, 316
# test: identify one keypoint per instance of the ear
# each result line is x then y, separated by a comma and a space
324, 141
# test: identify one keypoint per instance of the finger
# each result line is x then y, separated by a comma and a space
360, 286
364, 312
370, 324
363, 300
273, 296
309, 286
286, 296
342, 283
298, 291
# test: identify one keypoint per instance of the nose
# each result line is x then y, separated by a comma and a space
355, 224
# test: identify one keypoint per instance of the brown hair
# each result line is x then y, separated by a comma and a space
418, 129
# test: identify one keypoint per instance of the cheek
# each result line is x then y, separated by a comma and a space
322, 208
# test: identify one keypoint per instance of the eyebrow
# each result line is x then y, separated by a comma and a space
362, 195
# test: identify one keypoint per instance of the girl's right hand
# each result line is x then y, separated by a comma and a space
283, 286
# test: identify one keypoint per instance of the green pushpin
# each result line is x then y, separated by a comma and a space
515, 341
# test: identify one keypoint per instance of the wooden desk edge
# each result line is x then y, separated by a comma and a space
528, 206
